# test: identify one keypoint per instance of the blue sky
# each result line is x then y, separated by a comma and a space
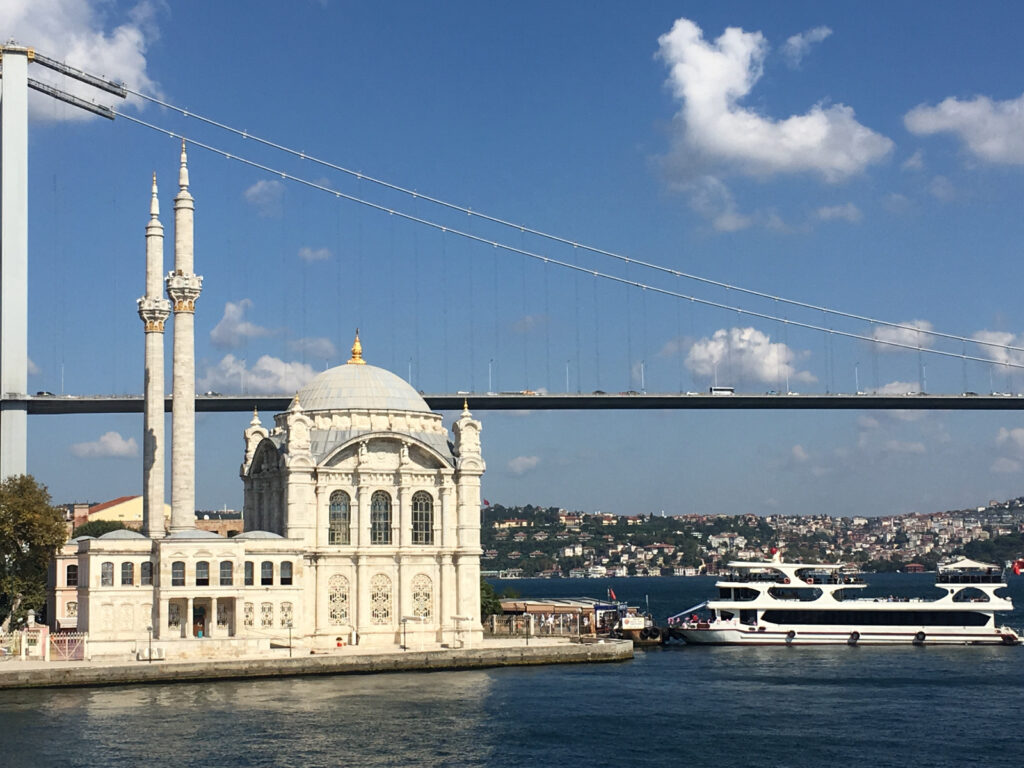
870, 162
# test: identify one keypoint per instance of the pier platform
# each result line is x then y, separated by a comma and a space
347, 661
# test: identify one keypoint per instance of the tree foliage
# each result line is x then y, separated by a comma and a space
97, 528
489, 602
31, 530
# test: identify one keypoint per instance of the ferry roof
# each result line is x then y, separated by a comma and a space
966, 564
556, 604
779, 563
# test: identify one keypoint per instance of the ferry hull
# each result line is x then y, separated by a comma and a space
818, 635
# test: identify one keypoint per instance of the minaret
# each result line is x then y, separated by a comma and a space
153, 310
183, 288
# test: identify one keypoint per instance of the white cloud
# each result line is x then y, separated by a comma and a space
78, 33
711, 198
269, 376
266, 197
846, 212
1003, 465
33, 369
894, 202
1012, 439
798, 46
233, 329
998, 354
520, 465
318, 346
942, 189
314, 254
746, 353
992, 131
898, 388
800, 453
528, 323
710, 79
900, 446
109, 445
913, 334
914, 163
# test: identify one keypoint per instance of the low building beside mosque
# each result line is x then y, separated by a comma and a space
361, 515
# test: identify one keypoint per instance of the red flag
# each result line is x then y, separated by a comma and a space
1017, 567
487, 503
611, 594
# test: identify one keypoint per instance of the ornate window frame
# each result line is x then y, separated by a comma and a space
380, 518
381, 600
339, 519
338, 600
422, 518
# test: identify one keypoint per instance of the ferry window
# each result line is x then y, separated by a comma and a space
338, 526
248, 573
266, 573
380, 518
202, 574
107, 575
422, 518
227, 573
146, 574
71, 576
178, 574
127, 574
286, 573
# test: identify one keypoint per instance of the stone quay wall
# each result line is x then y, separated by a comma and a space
74, 674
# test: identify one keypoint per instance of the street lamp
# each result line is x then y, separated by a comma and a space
289, 639
405, 645
150, 630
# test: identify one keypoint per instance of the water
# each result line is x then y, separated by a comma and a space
727, 706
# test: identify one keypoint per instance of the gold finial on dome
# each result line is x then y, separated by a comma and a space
357, 352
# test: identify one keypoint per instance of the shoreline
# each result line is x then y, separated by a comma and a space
21, 675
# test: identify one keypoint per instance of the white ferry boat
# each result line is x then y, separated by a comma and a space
773, 603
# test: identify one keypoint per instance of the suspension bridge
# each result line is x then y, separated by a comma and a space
515, 243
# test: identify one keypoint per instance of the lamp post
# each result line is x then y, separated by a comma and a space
405, 622
289, 639
150, 630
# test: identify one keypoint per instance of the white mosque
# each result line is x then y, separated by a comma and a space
362, 518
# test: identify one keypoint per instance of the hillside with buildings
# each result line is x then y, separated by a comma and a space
551, 541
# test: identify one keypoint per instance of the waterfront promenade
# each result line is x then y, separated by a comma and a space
348, 660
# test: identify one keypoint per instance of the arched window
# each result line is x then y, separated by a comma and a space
178, 574
337, 599
127, 574
249, 579
146, 574
202, 574
340, 511
422, 596
227, 573
267, 573
71, 576
380, 599
107, 575
380, 518
286, 573
422, 518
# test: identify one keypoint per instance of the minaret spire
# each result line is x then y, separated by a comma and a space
183, 288
153, 310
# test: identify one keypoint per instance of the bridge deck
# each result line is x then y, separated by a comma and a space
62, 404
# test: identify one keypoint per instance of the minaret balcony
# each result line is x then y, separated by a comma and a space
183, 290
153, 311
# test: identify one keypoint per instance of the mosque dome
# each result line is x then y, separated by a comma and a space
357, 385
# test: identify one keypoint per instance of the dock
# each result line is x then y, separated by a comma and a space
17, 674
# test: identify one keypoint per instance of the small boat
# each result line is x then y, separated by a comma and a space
774, 603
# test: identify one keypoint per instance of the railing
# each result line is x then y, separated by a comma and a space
947, 577
519, 625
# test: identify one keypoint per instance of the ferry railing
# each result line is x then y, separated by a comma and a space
969, 578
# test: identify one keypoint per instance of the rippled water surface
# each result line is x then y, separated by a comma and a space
725, 706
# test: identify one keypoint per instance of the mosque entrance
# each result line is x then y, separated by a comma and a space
199, 622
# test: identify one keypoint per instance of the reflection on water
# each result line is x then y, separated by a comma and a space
407, 719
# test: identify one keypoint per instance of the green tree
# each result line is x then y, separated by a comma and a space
489, 602
31, 530
97, 528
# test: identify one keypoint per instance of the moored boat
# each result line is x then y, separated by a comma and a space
771, 602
